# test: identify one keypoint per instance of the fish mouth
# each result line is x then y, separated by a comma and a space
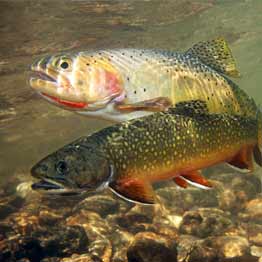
43, 76
50, 186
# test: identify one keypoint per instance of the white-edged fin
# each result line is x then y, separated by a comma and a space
196, 184
240, 170
128, 199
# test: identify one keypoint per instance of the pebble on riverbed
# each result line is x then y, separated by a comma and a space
190, 225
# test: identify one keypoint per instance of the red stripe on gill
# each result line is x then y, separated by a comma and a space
66, 102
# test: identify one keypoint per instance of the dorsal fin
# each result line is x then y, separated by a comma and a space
190, 108
216, 54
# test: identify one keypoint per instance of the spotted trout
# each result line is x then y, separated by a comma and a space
122, 84
129, 157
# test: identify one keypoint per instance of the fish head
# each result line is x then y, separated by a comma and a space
78, 81
71, 170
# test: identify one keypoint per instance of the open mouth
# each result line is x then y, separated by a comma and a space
52, 187
43, 76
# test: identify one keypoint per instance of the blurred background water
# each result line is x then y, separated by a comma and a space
30, 128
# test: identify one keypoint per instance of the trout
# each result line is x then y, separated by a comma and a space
129, 157
122, 84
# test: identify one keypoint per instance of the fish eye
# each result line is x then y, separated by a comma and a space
64, 65
61, 167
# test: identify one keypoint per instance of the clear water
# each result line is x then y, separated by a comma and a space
30, 128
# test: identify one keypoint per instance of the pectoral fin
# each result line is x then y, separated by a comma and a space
217, 55
134, 190
243, 159
154, 105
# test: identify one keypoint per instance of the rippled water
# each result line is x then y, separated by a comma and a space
30, 128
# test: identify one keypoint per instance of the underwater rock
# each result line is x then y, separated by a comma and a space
254, 232
62, 241
135, 219
256, 251
94, 226
97, 231
101, 250
101, 204
187, 244
9, 204
23, 223
229, 246
5, 210
151, 247
253, 211
38, 243
254, 208
244, 186
204, 222
78, 258
49, 218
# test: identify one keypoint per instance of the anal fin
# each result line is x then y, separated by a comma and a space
134, 190
195, 178
155, 105
243, 159
180, 182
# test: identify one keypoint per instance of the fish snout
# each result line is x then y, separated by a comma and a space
39, 171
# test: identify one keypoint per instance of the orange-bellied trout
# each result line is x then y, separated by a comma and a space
131, 156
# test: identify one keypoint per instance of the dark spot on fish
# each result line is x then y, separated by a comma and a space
134, 92
144, 90
88, 64
80, 82
127, 79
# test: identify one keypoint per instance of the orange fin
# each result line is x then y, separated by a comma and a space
134, 190
155, 105
243, 159
180, 182
257, 155
196, 179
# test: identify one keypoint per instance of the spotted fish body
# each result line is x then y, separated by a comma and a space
165, 145
166, 142
102, 83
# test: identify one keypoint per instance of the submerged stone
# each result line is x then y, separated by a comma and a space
151, 247
204, 222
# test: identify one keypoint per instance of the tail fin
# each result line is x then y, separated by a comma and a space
217, 55
257, 149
